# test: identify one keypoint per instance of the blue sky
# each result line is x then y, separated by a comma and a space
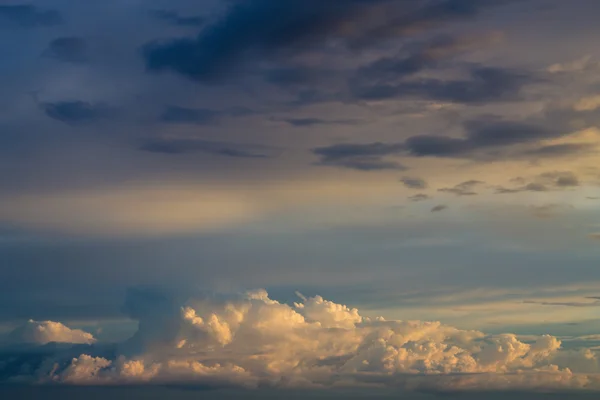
416, 160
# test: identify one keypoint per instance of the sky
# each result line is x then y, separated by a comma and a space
300, 194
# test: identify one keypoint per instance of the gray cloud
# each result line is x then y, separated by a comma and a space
481, 134
306, 122
77, 112
484, 84
463, 189
530, 187
439, 208
269, 28
365, 164
558, 150
560, 179
199, 116
415, 58
554, 180
29, 16
564, 304
184, 115
483, 137
414, 183
419, 197
340, 151
70, 49
167, 146
366, 157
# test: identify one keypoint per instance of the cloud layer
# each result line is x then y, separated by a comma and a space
253, 341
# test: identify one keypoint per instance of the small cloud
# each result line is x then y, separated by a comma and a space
439, 208
530, 187
68, 49
419, 197
363, 157
414, 183
463, 189
77, 112
560, 178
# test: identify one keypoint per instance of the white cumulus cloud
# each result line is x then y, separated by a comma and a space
254, 341
43, 332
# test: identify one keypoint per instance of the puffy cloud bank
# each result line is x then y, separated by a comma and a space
253, 341
44, 332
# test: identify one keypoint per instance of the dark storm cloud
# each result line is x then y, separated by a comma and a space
463, 189
272, 27
414, 183
68, 49
175, 18
77, 112
28, 16
166, 146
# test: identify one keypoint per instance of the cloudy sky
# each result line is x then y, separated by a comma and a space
264, 193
